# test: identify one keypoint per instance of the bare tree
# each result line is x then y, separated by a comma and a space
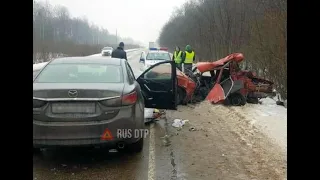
55, 33
216, 28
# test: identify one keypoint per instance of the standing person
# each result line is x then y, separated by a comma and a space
188, 59
119, 52
177, 58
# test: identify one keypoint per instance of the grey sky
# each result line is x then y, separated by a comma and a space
139, 19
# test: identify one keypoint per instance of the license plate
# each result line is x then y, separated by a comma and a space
85, 108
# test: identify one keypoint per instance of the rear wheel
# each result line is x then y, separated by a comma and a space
237, 99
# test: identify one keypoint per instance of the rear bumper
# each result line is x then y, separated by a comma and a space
75, 143
88, 133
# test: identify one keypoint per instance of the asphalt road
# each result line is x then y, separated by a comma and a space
155, 162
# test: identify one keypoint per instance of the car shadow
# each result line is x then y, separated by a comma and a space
78, 160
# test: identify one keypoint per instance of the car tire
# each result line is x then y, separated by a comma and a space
253, 100
133, 148
237, 99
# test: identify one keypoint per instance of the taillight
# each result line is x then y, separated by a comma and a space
111, 102
38, 103
129, 99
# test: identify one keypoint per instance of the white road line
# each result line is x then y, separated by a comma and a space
151, 165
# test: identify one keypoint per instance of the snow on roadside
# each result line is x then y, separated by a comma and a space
269, 118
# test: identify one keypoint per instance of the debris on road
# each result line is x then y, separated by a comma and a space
178, 123
151, 114
148, 113
192, 129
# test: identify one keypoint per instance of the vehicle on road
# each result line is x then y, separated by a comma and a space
85, 101
153, 57
221, 81
152, 45
106, 51
228, 84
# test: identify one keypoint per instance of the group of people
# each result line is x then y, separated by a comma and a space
186, 58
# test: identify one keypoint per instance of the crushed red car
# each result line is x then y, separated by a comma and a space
223, 81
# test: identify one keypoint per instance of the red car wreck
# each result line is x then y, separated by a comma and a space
227, 83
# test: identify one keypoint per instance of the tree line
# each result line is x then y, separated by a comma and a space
56, 33
216, 28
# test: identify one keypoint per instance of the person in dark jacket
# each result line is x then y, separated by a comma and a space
119, 52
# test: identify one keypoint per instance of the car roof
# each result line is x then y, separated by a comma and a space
88, 59
160, 51
39, 65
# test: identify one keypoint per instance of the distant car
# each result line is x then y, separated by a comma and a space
154, 57
37, 67
106, 51
86, 101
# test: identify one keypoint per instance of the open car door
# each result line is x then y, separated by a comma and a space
159, 85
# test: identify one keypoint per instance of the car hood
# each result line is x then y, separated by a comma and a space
106, 50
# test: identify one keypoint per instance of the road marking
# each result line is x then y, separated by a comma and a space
151, 165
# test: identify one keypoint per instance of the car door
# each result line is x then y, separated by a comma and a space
159, 85
221, 90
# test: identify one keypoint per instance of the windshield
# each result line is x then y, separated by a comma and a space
158, 56
107, 48
35, 73
80, 73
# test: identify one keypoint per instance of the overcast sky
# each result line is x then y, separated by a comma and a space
139, 19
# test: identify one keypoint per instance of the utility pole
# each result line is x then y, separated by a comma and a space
116, 36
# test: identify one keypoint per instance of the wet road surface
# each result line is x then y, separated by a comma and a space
156, 161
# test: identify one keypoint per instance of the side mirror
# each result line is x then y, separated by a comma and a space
142, 59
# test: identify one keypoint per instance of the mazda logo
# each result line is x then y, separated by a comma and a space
73, 93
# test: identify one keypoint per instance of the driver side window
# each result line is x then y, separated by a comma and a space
161, 71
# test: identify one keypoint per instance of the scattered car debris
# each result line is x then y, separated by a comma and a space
192, 129
229, 84
178, 123
151, 114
